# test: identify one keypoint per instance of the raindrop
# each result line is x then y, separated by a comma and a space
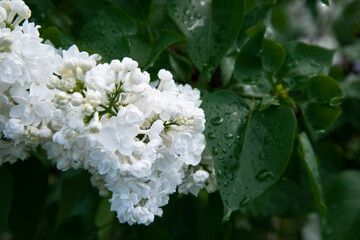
216, 121
222, 158
264, 175
267, 140
262, 155
223, 150
244, 201
228, 136
219, 144
215, 151
211, 136
219, 174
231, 177
226, 183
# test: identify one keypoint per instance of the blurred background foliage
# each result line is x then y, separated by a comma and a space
39, 202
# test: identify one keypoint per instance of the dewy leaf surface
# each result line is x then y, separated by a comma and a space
250, 148
210, 27
320, 107
105, 33
312, 166
304, 61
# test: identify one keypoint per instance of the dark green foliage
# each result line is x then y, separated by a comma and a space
283, 119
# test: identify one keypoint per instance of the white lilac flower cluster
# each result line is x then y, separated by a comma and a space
141, 141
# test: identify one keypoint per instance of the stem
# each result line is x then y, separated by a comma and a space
271, 81
248, 96
106, 110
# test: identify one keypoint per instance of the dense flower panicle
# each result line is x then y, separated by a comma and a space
139, 141
25, 66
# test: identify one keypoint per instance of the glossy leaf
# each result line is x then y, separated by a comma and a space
267, 101
302, 62
105, 33
321, 102
145, 52
57, 38
343, 216
182, 67
248, 68
210, 28
252, 18
250, 148
312, 165
6, 196
273, 55
283, 199
135, 8
166, 38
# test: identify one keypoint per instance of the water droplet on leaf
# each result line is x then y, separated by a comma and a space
211, 136
228, 136
215, 151
216, 121
264, 174
267, 140
244, 201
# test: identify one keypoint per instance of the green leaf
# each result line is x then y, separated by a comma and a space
29, 193
73, 191
166, 38
253, 17
323, 90
343, 216
250, 148
302, 62
103, 219
6, 196
321, 105
312, 165
144, 52
267, 101
210, 28
283, 199
105, 33
140, 47
57, 38
273, 56
182, 68
136, 8
248, 67
227, 67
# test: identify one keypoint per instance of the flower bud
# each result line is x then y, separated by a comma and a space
70, 63
87, 109
85, 65
116, 65
76, 99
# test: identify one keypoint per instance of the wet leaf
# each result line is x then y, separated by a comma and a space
320, 106
312, 165
304, 61
105, 33
210, 28
250, 148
